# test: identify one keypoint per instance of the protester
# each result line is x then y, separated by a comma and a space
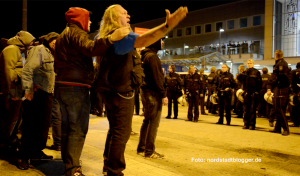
120, 74
75, 75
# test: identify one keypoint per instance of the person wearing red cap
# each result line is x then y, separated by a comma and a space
75, 75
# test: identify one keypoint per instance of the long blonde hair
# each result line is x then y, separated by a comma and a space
109, 21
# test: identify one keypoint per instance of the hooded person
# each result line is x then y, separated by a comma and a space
37, 79
155, 95
11, 64
75, 75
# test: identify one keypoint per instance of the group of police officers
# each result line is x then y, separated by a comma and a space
249, 92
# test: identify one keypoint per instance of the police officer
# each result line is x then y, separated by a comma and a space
224, 83
210, 86
239, 85
262, 107
279, 84
173, 85
192, 86
295, 90
251, 85
202, 90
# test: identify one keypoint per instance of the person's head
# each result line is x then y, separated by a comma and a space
212, 69
49, 40
172, 69
250, 63
229, 42
224, 68
192, 69
23, 40
80, 17
115, 16
298, 65
265, 70
241, 68
278, 54
201, 71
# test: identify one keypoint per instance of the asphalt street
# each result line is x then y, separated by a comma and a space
190, 149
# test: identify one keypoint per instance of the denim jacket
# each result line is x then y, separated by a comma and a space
38, 70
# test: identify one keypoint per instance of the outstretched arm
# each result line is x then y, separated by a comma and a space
160, 31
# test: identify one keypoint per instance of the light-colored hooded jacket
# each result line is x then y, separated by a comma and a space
11, 64
39, 67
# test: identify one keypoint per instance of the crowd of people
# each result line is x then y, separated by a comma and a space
249, 95
53, 77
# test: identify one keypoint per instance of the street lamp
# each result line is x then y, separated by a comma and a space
221, 30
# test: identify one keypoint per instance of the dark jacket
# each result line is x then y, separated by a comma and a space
251, 80
295, 77
115, 72
203, 84
173, 82
192, 83
211, 79
154, 76
224, 80
74, 50
280, 77
11, 63
265, 79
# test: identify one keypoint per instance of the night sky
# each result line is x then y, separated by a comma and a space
48, 16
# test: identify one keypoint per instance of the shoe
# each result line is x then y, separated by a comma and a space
285, 133
42, 156
175, 117
228, 124
195, 121
78, 172
219, 123
275, 131
245, 127
155, 155
57, 148
99, 115
251, 128
271, 124
294, 125
168, 117
23, 164
187, 120
141, 153
142, 114
204, 114
214, 113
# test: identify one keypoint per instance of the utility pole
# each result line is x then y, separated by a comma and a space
24, 15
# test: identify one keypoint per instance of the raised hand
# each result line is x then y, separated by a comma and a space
173, 19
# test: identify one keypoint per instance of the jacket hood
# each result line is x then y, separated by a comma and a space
22, 40
79, 16
46, 39
155, 46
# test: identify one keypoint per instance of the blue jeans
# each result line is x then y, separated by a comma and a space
119, 108
153, 108
56, 123
74, 103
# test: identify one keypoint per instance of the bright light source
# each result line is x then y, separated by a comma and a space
256, 65
166, 37
221, 30
221, 63
289, 64
228, 61
186, 46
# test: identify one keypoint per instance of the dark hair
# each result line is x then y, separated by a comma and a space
173, 68
265, 70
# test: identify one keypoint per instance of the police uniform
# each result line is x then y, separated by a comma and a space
224, 81
202, 92
239, 105
173, 85
295, 90
210, 86
252, 83
279, 84
262, 107
192, 87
